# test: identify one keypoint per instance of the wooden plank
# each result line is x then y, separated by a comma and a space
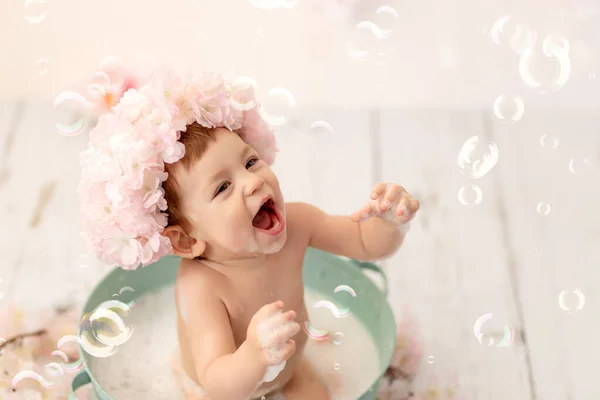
452, 269
42, 214
10, 118
328, 165
556, 244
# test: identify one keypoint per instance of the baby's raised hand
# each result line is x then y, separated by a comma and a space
389, 201
271, 332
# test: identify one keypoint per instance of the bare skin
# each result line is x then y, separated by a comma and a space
223, 298
280, 278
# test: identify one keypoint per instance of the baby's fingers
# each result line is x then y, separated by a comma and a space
378, 190
364, 213
283, 354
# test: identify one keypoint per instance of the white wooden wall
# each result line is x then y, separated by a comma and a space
457, 264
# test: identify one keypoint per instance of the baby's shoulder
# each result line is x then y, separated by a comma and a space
194, 278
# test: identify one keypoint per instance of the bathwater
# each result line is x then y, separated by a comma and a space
339, 347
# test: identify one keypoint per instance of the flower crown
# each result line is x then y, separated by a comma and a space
123, 167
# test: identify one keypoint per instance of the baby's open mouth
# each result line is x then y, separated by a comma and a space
268, 219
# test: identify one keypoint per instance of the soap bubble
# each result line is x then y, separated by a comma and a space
314, 333
562, 300
547, 69
345, 288
319, 127
506, 32
431, 359
544, 208
104, 330
375, 30
41, 66
337, 312
549, 141
509, 109
279, 102
35, 11
30, 375
70, 107
553, 45
579, 165
336, 366
592, 75
470, 196
508, 334
338, 338
240, 84
477, 157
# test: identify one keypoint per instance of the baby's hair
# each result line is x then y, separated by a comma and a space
195, 139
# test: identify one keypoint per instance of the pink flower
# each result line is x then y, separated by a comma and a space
123, 168
407, 356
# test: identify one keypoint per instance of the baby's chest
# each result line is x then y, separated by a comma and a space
244, 302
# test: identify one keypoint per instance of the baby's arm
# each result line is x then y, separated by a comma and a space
223, 372
370, 240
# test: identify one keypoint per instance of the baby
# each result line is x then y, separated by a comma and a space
184, 168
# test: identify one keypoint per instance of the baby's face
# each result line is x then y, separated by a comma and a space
233, 200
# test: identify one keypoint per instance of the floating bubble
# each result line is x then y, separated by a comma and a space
53, 369
124, 289
279, 102
509, 109
431, 359
508, 333
345, 288
544, 208
579, 165
356, 53
337, 312
239, 86
470, 196
338, 338
552, 45
26, 375
321, 127
314, 333
387, 10
35, 11
41, 66
580, 300
549, 141
71, 107
374, 29
507, 32
63, 341
103, 330
336, 366
116, 73
592, 75
545, 73
477, 157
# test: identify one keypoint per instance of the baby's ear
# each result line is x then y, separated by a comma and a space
184, 245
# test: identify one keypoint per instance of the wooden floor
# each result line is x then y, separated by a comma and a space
525, 255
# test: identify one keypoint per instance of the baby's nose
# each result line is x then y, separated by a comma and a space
253, 183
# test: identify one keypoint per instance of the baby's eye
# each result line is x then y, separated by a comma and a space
251, 162
222, 188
